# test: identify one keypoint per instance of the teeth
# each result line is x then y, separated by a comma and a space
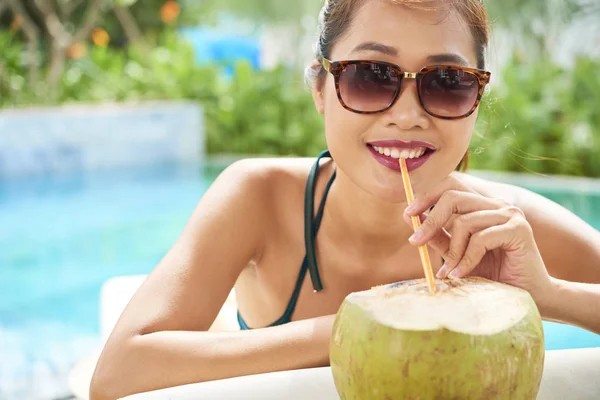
400, 153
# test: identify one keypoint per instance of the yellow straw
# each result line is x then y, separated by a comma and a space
416, 222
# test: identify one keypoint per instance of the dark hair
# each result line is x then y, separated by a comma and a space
337, 15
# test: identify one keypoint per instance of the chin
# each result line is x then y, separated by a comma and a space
387, 189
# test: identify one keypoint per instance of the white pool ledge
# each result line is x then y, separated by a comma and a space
572, 374
568, 374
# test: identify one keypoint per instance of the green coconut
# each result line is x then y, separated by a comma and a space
472, 339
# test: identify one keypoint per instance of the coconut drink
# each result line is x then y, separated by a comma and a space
469, 339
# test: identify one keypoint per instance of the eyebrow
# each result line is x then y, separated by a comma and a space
376, 47
392, 51
448, 57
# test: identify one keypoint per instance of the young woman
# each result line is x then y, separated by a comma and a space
392, 78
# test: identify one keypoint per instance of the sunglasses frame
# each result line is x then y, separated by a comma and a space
337, 67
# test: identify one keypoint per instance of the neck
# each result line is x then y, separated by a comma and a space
364, 221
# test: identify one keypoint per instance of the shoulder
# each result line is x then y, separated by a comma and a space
242, 207
537, 208
570, 246
266, 177
489, 188
273, 187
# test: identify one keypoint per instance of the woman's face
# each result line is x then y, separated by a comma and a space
411, 39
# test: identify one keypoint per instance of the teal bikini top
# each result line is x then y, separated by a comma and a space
311, 227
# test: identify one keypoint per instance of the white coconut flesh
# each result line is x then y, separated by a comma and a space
472, 306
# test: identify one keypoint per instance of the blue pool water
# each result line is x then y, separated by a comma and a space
62, 237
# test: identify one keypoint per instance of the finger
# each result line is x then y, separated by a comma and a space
462, 230
478, 246
440, 242
453, 202
426, 200
408, 219
495, 237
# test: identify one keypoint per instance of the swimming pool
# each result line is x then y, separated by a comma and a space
62, 237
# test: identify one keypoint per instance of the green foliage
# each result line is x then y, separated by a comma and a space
538, 117
145, 13
165, 71
13, 85
542, 118
268, 112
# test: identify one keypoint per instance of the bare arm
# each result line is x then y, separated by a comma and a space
569, 245
161, 340
570, 248
573, 303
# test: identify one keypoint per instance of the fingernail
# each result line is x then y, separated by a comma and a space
455, 273
410, 208
418, 235
442, 272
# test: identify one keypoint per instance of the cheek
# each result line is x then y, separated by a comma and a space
341, 124
457, 137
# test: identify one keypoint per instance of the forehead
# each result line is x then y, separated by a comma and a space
415, 34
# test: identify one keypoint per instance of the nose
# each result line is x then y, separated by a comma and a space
407, 112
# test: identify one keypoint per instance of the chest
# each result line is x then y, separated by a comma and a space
343, 269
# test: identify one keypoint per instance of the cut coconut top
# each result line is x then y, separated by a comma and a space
472, 306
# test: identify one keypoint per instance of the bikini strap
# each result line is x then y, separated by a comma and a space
312, 226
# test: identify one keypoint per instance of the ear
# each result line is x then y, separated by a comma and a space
317, 89
318, 98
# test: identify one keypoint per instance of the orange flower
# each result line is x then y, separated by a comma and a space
100, 37
77, 51
169, 12
16, 23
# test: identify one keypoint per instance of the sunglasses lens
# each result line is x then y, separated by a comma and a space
449, 93
368, 87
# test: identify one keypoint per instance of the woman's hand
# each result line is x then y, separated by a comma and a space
490, 237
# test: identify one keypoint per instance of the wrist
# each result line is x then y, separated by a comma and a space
552, 303
322, 330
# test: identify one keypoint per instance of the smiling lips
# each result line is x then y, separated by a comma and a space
397, 153
387, 153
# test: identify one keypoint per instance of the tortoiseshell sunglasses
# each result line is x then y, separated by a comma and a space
369, 87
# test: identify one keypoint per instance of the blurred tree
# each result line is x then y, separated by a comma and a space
32, 33
3, 7
54, 20
127, 20
146, 15
61, 26
63, 32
